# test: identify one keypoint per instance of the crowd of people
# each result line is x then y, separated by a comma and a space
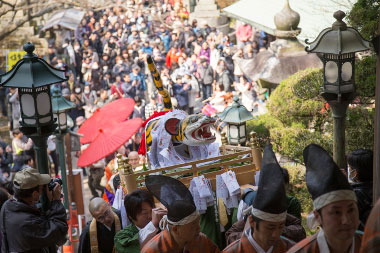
106, 59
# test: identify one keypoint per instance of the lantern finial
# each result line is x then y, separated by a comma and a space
29, 48
339, 23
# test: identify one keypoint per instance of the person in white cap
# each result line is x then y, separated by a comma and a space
24, 227
335, 206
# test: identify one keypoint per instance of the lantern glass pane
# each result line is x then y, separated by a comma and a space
234, 131
45, 120
346, 71
331, 72
242, 131
43, 103
62, 120
234, 141
27, 105
30, 121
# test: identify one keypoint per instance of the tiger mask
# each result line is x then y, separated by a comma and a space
194, 130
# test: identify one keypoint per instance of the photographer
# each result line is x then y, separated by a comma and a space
24, 228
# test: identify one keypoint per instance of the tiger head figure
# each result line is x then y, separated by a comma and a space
194, 130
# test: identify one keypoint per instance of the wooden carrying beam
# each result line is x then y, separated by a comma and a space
244, 161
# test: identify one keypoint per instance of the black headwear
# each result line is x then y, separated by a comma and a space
270, 203
173, 194
325, 182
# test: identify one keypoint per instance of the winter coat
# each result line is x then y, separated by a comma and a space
181, 94
225, 79
27, 230
206, 75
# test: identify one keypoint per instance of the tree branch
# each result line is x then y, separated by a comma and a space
12, 27
7, 3
42, 7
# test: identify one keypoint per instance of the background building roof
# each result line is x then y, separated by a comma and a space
69, 19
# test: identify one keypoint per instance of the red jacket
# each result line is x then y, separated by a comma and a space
116, 88
371, 238
243, 32
171, 56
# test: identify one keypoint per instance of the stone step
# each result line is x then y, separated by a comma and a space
206, 14
206, 7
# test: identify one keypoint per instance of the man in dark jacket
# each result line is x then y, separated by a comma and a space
360, 167
24, 228
181, 94
206, 77
129, 88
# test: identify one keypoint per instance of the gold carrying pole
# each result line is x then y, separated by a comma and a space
256, 152
127, 176
224, 143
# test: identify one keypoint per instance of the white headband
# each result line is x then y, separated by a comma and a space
333, 196
188, 219
264, 215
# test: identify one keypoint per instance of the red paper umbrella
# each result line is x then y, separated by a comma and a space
110, 114
108, 141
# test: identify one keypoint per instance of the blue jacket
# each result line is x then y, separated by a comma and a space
140, 79
181, 94
147, 50
166, 40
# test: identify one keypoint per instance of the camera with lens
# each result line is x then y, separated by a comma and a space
51, 185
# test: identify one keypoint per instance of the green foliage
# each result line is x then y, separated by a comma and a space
307, 83
261, 125
365, 77
288, 108
364, 16
360, 128
291, 141
297, 188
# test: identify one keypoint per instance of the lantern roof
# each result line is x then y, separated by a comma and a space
31, 72
339, 39
59, 103
236, 113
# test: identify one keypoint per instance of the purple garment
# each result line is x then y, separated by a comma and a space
205, 53
110, 196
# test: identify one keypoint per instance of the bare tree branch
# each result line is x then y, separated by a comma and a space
7, 3
38, 8
12, 27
